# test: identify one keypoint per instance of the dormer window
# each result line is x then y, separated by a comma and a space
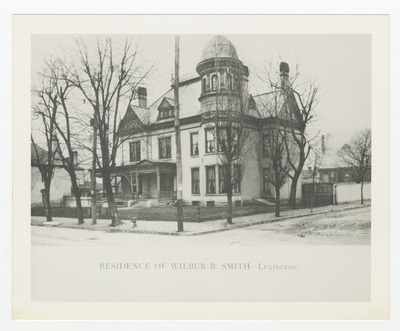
166, 109
166, 113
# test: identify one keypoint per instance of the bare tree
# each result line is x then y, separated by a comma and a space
358, 156
276, 148
107, 75
230, 126
54, 110
298, 108
233, 143
45, 165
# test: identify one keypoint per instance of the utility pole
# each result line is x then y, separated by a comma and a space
93, 174
178, 140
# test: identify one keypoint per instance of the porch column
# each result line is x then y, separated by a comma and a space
132, 194
137, 185
158, 183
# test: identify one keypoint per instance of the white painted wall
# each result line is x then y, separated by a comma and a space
60, 186
251, 182
347, 192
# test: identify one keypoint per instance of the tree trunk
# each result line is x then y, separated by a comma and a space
46, 202
75, 189
278, 202
229, 198
362, 192
293, 190
228, 185
112, 207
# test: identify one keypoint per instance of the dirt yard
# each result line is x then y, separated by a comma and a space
343, 227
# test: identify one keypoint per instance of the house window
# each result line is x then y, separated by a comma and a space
235, 139
134, 151
167, 182
210, 148
194, 144
266, 145
237, 177
214, 83
265, 181
195, 181
222, 140
166, 113
221, 178
164, 148
210, 179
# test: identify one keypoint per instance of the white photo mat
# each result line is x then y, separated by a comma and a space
69, 269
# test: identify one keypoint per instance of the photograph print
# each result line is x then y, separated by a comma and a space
193, 140
182, 162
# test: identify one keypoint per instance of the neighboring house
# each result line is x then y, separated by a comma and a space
335, 175
60, 184
329, 169
147, 167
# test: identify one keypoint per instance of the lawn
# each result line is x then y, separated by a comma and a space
168, 213
193, 214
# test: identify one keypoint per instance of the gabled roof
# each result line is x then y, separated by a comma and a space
166, 103
272, 104
189, 104
189, 93
38, 155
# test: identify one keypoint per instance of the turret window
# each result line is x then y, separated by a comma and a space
222, 80
214, 83
229, 81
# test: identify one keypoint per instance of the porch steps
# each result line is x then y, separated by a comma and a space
265, 202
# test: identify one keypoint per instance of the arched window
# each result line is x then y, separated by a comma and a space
222, 80
204, 85
214, 83
229, 81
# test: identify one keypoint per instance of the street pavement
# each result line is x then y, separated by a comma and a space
190, 229
265, 234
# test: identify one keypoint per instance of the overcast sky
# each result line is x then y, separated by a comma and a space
339, 64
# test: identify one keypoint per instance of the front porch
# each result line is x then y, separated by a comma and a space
145, 180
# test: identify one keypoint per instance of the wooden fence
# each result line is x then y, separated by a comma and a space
318, 194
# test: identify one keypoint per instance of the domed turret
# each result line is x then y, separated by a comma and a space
219, 47
223, 77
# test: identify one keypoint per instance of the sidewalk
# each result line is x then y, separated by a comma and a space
170, 228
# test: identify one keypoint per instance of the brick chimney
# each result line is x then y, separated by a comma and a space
284, 73
323, 144
142, 96
75, 157
54, 144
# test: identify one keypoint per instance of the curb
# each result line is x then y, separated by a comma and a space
199, 233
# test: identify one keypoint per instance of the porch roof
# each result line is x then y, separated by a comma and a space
147, 166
